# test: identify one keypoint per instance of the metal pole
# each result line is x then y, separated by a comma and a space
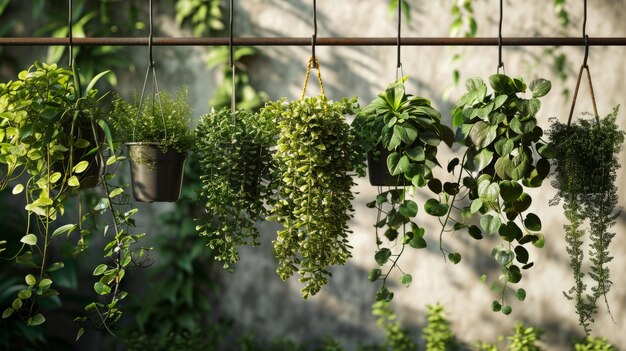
306, 41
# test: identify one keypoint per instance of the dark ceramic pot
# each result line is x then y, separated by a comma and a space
379, 172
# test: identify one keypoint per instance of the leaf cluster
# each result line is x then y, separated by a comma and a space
503, 155
313, 204
438, 333
164, 119
236, 169
585, 172
403, 131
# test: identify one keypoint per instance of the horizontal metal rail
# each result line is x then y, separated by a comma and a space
304, 41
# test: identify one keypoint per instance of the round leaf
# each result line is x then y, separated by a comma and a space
520, 294
406, 279
434, 208
532, 222
382, 256
29, 239
490, 224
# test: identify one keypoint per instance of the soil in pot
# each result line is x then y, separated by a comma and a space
157, 176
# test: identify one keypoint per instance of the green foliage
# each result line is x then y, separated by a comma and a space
438, 334
407, 130
313, 204
524, 338
174, 310
398, 338
586, 164
163, 119
503, 140
236, 182
204, 16
591, 343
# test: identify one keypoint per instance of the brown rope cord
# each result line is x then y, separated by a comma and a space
313, 63
593, 96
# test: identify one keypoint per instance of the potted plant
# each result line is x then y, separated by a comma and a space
51, 132
504, 153
236, 181
314, 161
585, 161
400, 134
157, 136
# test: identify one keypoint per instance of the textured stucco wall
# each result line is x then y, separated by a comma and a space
257, 298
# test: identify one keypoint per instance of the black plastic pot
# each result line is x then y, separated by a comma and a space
379, 172
156, 176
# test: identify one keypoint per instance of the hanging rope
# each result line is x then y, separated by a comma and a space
500, 62
314, 37
69, 35
156, 97
583, 67
310, 65
231, 57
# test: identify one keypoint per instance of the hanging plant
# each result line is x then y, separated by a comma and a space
236, 181
158, 137
585, 171
400, 134
52, 133
314, 160
504, 155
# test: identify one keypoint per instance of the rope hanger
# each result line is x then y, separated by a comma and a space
313, 61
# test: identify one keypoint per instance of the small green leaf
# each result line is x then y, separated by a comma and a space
18, 188
540, 241
68, 228
521, 254
101, 288
488, 192
45, 283
382, 256
434, 208
475, 232
80, 333
416, 154
17, 304
30, 280
520, 294
408, 209
532, 222
476, 205
507, 309
490, 224
540, 87
483, 278
99, 270
81, 167
374, 274
73, 181
115, 192
29, 239
454, 257
36, 320
7, 312
417, 242
496, 306
24, 294
504, 257
510, 191
406, 279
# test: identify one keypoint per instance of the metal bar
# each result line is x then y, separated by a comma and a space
306, 41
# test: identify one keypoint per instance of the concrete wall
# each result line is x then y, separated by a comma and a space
257, 298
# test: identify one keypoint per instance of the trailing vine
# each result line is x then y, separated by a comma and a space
585, 172
504, 154
403, 132
314, 160
236, 182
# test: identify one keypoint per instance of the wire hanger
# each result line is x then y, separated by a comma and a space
500, 62
231, 57
156, 97
583, 67
314, 37
398, 42
70, 36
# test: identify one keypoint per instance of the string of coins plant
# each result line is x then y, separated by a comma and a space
406, 131
236, 181
504, 154
585, 171
52, 132
314, 159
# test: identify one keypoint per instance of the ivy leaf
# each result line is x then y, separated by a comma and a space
510, 191
434, 208
490, 224
382, 256
475, 232
501, 83
521, 254
499, 101
417, 242
36, 320
101, 288
540, 87
454, 257
483, 134
496, 306
532, 222
408, 209
507, 309
488, 192
68, 228
374, 274
477, 161
504, 257
522, 203
476, 205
